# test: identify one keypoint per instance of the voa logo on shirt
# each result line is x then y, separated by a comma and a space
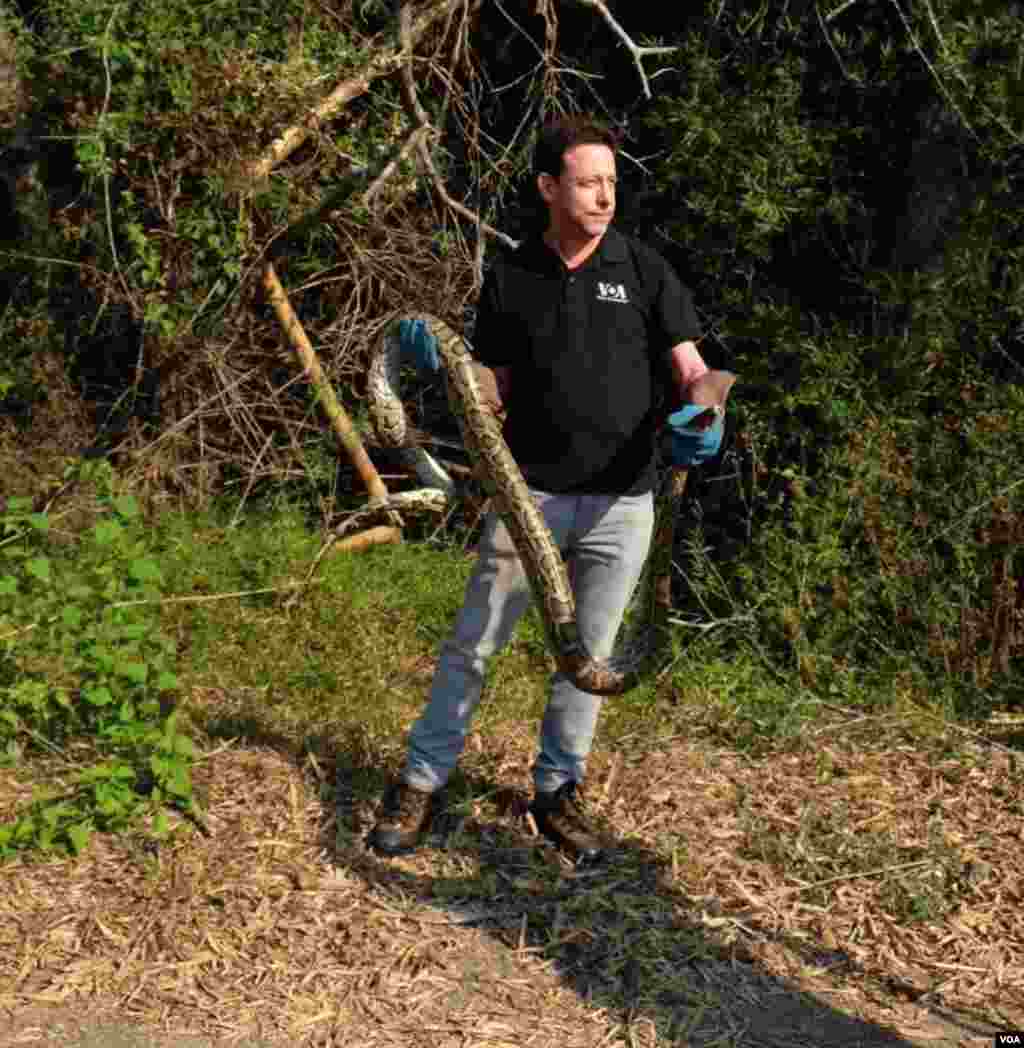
611, 292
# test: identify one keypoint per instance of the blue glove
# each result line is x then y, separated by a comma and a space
688, 446
418, 345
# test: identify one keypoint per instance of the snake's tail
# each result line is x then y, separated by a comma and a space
618, 676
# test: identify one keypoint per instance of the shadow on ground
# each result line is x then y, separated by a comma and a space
621, 936
632, 949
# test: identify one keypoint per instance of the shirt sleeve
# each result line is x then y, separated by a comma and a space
490, 343
673, 314
673, 321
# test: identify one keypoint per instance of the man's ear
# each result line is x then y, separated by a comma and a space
546, 187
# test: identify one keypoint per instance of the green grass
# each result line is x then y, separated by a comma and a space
343, 661
347, 661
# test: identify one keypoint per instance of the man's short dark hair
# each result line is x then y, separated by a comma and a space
558, 136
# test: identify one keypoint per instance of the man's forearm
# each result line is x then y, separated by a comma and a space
687, 366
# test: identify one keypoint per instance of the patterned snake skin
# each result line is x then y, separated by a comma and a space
648, 642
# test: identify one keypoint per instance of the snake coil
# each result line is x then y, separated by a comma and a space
541, 559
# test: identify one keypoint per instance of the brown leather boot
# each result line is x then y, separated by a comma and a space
560, 816
405, 816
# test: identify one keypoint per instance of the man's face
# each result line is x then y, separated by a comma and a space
581, 201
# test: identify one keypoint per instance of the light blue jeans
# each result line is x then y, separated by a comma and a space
607, 538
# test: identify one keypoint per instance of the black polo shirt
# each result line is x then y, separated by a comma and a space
589, 353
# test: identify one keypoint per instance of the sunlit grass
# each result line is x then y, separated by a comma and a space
346, 661
349, 655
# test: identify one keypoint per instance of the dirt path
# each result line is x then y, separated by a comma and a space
279, 929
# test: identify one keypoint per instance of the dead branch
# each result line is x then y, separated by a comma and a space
346, 433
419, 118
385, 63
382, 535
411, 143
460, 209
639, 53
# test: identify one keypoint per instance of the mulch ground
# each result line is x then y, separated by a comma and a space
838, 893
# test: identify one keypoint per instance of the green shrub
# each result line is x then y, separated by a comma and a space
83, 670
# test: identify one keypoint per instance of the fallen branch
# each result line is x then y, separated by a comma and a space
839, 10
338, 417
385, 63
798, 889
379, 536
206, 598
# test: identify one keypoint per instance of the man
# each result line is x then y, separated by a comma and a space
591, 338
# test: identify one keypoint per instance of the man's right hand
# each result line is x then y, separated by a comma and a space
493, 383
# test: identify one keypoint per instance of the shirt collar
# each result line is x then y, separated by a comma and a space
612, 248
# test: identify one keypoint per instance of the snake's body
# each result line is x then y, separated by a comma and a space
538, 552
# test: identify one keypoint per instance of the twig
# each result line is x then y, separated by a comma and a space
843, 725
106, 173
45, 742
931, 69
27, 629
638, 53
167, 600
183, 423
52, 261
706, 626
205, 598
796, 890
522, 32
460, 209
832, 46
839, 10
213, 753
252, 480
975, 509
412, 141
409, 93
976, 735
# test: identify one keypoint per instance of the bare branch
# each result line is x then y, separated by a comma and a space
931, 69
823, 22
410, 96
460, 209
639, 53
384, 64
417, 114
839, 10
412, 141
106, 167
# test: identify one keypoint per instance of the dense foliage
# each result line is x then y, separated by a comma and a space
83, 666
837, 186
